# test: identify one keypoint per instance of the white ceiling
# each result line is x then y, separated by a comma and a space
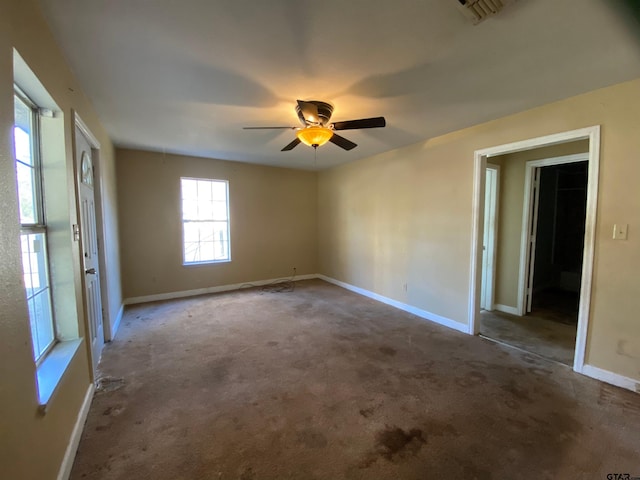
186, 76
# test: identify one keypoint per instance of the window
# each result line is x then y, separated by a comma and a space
205, 220
35, 261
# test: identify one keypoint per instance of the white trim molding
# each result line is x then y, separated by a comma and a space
76, 434
612, 378
116, 324
78, 122
506, 309
447, 322
204, 291
477, 223
528, 218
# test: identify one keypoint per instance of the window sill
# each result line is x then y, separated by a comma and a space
50, 371
208, 262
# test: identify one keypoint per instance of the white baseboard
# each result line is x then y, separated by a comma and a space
447, 322
506, 309
612, 378
76, 434
116, 324
204, 291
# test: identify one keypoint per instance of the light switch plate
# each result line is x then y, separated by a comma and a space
620, 231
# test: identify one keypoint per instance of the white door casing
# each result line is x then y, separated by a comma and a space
475, 278
89, 245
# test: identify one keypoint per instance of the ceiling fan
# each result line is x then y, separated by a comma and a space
316, 129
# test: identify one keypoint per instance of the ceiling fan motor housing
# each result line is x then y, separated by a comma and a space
314, 112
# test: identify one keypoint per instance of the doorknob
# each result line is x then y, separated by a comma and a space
91, 271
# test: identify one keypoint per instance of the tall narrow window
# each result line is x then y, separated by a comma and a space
205, 220
33, 226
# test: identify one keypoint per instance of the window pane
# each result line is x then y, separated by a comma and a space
34, 262
191, 252
205, 241
198, 239
219, 211
219, 191
23, 131
221, 251
220, 231
221, 240
189, 209
206, 231
189, 189
191, 232
26, 194
204, 190
25, 161
205, 210
206, 251
22, 145
29, 265
41, 311
34, 265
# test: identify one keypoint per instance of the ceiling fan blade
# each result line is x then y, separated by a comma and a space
375, 122
269, 128
342, 142
291, 146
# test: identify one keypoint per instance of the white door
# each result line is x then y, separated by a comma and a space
533, 233
84, 171
489, 237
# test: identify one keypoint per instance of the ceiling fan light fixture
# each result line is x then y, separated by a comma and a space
315, 136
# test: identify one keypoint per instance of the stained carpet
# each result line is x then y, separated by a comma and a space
321, 383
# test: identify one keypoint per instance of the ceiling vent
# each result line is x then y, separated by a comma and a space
478, 10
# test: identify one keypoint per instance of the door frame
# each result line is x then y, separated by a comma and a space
98, 189
529, 219
480, 164
489, 284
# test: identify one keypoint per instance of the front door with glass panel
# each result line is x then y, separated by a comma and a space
84, 172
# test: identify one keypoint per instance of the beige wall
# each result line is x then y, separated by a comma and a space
405, 217
32, 445
273, 222
511, 202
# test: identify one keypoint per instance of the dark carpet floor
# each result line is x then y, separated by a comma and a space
321, 383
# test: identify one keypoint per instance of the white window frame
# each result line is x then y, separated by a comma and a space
39, 227
185, 221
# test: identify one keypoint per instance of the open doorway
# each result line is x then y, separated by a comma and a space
543, 246
556, 262
552, 239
